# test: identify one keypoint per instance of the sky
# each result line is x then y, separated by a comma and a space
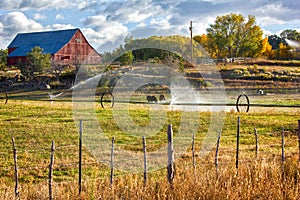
106, 23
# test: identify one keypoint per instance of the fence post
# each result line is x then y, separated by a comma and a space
51, 170
299, 139
237, 143
193, 151
112, 161
217, 152
145, 160
256, 143
170, 167
282, 145
17, 194
80, 155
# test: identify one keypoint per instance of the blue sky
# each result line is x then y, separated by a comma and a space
106, 23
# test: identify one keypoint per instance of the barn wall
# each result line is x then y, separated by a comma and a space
13, 61
77, 51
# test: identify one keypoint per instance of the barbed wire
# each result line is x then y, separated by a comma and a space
222, 149
224, 158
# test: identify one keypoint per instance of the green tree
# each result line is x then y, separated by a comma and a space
126, 58
290, 34
37, 62
110, 57
274, 41
233, 36
158, 49
3, 59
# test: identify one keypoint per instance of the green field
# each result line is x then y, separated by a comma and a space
34, 122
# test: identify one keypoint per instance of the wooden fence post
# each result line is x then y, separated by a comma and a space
282, 145
112, 161
193, 151
237, 143
170, 167
299, 139
80, 155
217, 152
145, 160
17, 194
51, 170
256, 143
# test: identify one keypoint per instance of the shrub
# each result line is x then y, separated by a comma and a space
207, 84
56, 84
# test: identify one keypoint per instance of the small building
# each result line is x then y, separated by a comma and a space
65, 47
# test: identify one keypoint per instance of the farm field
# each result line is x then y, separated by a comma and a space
35, 122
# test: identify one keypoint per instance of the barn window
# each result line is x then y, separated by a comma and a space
65, 57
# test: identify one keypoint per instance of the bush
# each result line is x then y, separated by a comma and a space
207, 84
127, 58
253, 69
56, 84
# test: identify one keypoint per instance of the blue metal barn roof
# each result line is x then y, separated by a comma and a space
50, 41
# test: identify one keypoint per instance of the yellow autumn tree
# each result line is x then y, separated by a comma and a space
266, 48
207, 45
284, 52
201, 39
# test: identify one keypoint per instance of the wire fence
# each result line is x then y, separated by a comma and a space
60, 151
77, 158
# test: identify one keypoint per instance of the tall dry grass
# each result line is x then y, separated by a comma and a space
252, 180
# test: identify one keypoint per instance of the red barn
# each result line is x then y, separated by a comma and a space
64, 46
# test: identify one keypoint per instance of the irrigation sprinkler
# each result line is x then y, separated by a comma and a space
242, 103
107, 100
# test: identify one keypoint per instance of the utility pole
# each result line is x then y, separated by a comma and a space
191, 30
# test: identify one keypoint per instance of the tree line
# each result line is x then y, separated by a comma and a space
233, 35
230, 36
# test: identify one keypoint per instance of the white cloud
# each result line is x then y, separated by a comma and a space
59, 17
142, 24
103, 42
267, 20
59, 27
200, 26
133, 11
38, 16
94, 20
82, 5
270, 14
13, 23
9, 5
17, 22
25, 5
109, 29
161, 23
267, 33
1, 27
101, 31
89, 5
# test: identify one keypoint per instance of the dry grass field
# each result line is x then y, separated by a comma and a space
34, 124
